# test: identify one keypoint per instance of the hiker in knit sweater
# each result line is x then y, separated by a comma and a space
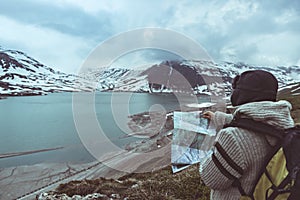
254, 96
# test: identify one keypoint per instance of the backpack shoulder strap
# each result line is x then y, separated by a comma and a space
256, 126
224, 171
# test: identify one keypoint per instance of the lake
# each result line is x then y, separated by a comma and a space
41, 122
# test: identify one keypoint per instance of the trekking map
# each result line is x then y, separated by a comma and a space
192, 139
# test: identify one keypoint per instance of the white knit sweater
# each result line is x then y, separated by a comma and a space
245, 148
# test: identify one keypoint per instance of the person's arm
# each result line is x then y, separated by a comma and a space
218, 119
209, 171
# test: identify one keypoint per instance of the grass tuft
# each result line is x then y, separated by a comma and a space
162, 184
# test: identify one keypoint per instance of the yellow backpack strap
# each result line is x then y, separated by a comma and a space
274, 179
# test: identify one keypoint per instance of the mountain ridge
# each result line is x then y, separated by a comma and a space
22, 75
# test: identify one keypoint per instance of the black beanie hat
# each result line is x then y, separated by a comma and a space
253, 86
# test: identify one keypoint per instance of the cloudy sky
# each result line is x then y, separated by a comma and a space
62, 33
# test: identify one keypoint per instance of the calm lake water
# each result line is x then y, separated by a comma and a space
40, 122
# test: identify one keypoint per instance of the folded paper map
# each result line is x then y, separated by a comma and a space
192, 139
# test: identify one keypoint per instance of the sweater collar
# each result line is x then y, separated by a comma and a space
273, 113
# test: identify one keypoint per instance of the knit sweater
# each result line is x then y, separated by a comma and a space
246, 148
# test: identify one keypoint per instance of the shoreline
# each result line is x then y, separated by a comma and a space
26, 181
14, 154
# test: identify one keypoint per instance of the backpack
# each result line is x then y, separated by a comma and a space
279, 178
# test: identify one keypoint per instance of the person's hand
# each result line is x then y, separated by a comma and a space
208, 115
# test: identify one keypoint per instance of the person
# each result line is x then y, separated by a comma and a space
253, 96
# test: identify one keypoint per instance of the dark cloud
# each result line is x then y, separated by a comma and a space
69, 20
245, 36
239, 29
274, 7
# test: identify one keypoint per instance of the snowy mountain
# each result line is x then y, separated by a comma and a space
204, 77
23, 75
227, 71
118, 79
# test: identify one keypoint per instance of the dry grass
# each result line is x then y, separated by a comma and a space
162, 184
